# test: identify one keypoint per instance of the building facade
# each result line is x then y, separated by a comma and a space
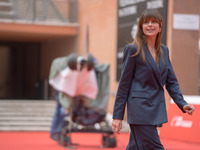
28, 47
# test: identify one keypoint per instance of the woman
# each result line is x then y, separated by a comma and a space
146, 69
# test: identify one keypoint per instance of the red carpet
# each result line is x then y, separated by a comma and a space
92, 141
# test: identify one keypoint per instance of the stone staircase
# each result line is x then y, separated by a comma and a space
6, 9
26, 115
31, 10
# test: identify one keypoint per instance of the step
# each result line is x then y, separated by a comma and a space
25, 123
28, 114
9, 14
24, 102
6, 4
28, 109
32, 118
25, 128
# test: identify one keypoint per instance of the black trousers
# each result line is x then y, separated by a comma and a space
144, 137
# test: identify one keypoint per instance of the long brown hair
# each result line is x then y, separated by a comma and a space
140, 37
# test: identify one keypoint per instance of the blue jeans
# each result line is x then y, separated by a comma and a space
58, 120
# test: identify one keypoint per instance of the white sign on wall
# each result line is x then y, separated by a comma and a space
186, 21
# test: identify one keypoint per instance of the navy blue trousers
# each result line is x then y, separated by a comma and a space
144, 137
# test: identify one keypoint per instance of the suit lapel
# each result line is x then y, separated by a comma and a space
153, 64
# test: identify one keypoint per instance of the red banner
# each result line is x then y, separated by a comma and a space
182, 126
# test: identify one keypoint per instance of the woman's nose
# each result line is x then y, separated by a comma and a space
150, 23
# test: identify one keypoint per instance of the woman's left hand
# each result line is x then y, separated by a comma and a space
188, 109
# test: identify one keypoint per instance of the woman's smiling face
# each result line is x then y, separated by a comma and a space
151, 27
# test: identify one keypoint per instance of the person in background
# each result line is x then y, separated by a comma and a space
146, 70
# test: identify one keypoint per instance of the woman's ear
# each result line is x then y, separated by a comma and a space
161, 23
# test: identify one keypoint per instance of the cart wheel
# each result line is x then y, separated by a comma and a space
65, 140
108, 141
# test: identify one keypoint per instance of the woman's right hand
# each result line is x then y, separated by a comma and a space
117, 125
188, 109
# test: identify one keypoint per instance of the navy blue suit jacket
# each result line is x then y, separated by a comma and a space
141, 88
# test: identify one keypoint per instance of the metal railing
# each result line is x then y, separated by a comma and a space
39, 11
